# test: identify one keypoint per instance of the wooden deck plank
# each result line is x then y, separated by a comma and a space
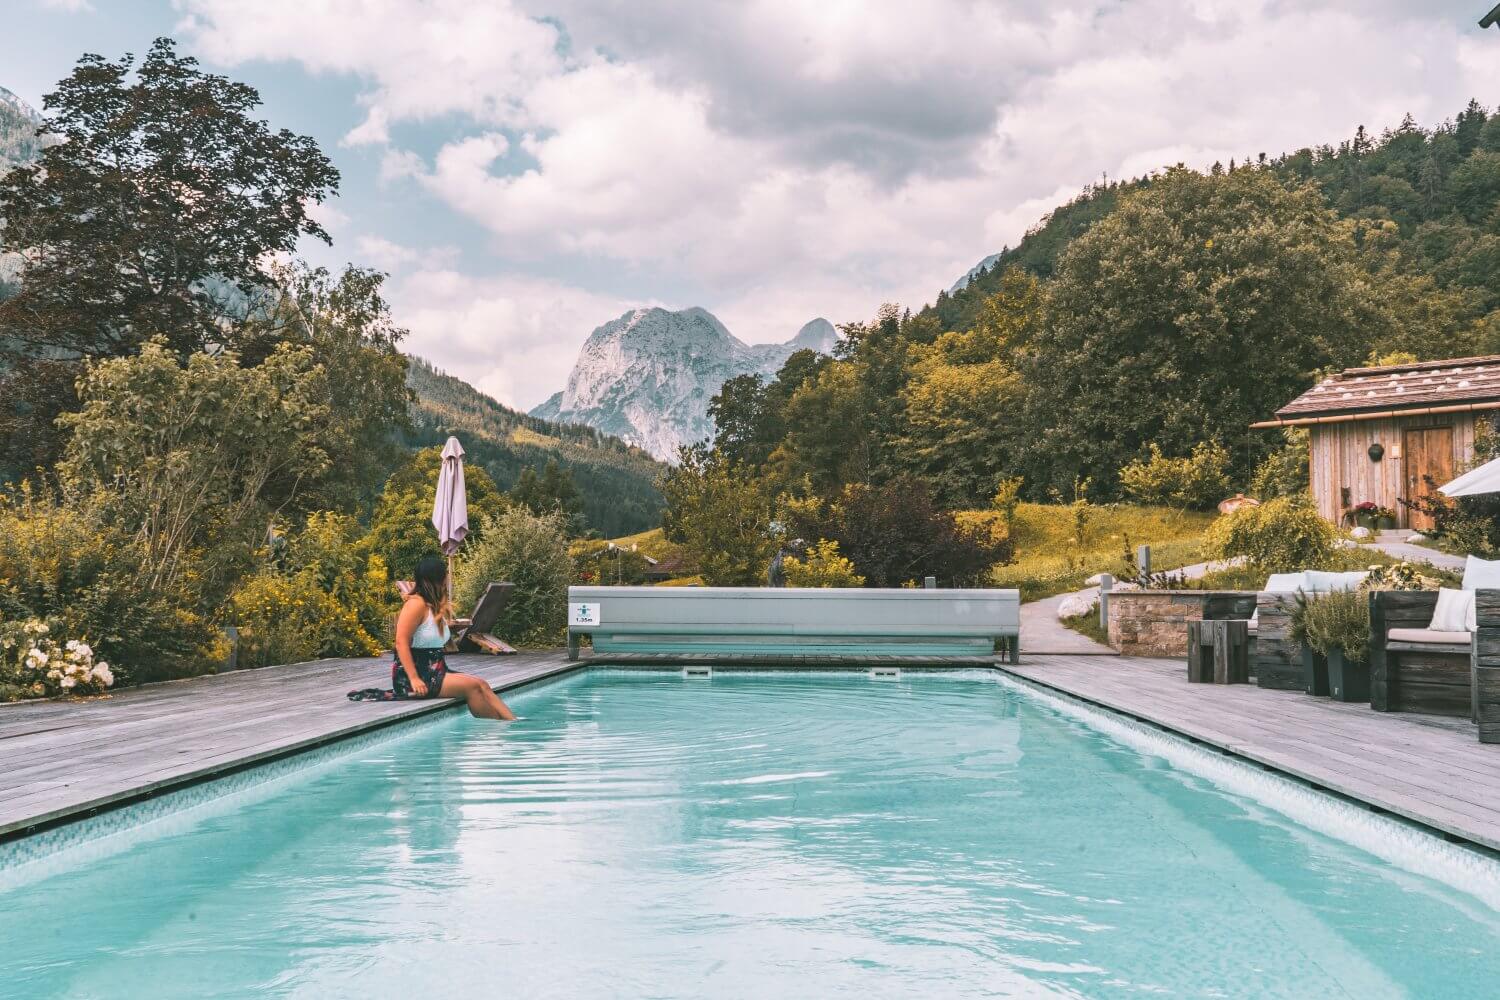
165, 735
1429, 769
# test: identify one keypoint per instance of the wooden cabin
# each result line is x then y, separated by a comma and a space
1379, 433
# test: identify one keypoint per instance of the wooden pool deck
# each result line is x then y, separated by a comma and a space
63, 760
66, 760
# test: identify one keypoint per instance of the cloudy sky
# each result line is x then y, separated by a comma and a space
528, 169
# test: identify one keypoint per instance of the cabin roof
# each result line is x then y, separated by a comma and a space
1357, 393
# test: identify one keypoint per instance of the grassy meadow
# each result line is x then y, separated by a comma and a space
1049, 559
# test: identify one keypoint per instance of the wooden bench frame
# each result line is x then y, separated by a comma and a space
843, 623
1434, 678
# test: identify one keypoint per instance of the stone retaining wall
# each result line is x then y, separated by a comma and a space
1154, 622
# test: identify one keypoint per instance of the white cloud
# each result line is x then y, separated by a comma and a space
377, 251
514, 338
783, 160
68, 6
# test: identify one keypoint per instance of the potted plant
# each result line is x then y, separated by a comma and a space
1385, 518
1364, 514
1314, 661
1337, 624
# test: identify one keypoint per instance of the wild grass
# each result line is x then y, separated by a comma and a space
1049, 559
1087, 624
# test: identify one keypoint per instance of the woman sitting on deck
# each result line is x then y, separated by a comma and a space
420, 670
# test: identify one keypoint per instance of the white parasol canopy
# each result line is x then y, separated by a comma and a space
1484, 479
450, 508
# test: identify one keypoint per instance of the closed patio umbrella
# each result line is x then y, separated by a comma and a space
450, 507
1484, 479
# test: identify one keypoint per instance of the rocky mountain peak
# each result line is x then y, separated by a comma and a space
647, 376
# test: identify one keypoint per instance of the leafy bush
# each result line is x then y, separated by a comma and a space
1197, 482
288, 618
1280, 536
193, 458
1337, 620
36, 664
822, 567
1008, 498
1284, 472
69, 564
530, 552
894, 534
316, 596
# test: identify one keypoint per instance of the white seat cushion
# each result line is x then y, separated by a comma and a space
1481, 574
1427, 635
1285, 583
1454, 611
1322, 582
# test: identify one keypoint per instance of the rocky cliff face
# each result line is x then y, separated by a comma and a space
648, 376
19, 123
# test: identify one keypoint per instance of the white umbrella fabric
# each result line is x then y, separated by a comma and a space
450, 507
1484, 479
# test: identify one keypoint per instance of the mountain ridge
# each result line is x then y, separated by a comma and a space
616, 482
648, 375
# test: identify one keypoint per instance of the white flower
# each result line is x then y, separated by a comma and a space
67, 683
102, 674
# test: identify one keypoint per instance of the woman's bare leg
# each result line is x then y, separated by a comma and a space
483, 702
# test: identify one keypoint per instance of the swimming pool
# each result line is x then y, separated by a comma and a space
754, 835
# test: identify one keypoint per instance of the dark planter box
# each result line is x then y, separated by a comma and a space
1348, 680
1314, 672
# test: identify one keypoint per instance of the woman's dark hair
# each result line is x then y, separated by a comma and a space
431, 579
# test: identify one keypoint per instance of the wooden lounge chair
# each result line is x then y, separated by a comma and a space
478, 635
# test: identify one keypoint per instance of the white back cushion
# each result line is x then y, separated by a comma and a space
1285, 583
1481, 574
1454, 611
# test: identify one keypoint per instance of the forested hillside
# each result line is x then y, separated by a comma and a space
1437, 186
616, 482
1124, 348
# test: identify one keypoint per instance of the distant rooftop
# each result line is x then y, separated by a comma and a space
1357, 392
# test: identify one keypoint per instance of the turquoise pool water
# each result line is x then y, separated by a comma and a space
788, 835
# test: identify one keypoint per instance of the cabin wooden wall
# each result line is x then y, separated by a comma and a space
1340, 457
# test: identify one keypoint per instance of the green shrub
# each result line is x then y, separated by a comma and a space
823, 567
316, 596
288, 618
530, 552
1197, 482
1337, 620
894, 534
1284, 472
1281, 536
1008, 498
67, 564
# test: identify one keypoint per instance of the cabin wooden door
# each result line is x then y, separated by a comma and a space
1427, 452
